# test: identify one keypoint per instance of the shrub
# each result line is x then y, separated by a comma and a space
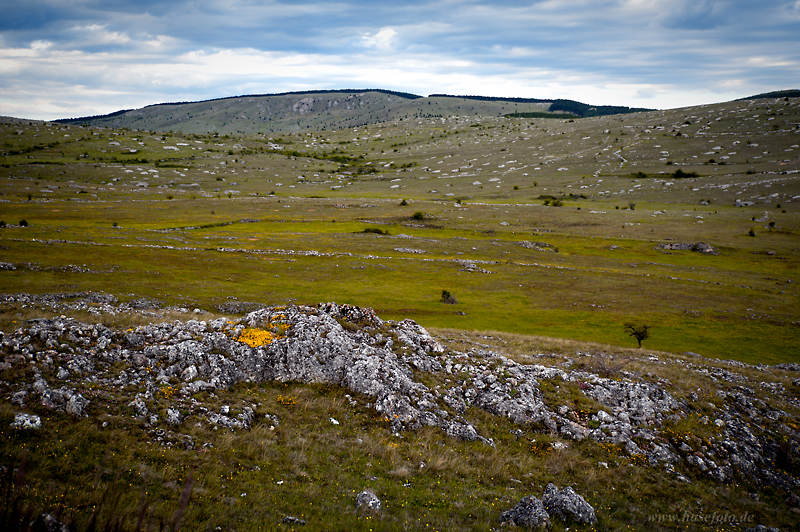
403, 203
448, 299
23, 223
751, 232
375, 230
419, 215
2, 223
679, 174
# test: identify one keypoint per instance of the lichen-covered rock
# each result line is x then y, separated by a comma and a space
568, 505
529, 513
26, 421
173, 416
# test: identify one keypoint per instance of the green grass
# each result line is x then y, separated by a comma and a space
309, 468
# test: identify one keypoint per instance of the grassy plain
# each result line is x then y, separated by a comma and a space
99, 218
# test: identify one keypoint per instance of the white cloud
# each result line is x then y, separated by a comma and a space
97, 34
643, 53
381, 40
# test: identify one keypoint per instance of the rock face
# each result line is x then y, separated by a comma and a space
383, 361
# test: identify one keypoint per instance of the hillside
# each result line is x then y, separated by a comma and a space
168, 354
321, 111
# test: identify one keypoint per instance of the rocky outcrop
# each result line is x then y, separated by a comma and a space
699, 247
384, 362
568, 505
528, 513
564, 504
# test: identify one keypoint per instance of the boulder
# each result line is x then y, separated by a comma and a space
568, 505
367, 500
26, 421
529, 513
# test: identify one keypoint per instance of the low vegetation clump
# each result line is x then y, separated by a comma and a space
448, 298
680, 174
376, 230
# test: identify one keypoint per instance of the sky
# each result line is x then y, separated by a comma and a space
74, 58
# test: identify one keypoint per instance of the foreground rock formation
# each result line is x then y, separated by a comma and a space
382, 362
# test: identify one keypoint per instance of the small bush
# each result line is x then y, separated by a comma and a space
23, 223
403, 203
680, 174
447, 298
375, 230
751, 232
419, 215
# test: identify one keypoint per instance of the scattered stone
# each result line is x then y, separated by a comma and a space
699, 247
26, 421
367, 500
173, 416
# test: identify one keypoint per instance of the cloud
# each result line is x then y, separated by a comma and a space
646, 53
381, 40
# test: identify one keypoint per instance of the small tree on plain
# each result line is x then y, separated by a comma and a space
638, 331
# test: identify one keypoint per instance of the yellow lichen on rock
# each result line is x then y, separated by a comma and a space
257, 337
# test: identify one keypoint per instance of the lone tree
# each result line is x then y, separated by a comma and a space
638, 331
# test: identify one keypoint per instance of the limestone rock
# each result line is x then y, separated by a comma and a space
26, 421
367, 500
568, 505
529, 513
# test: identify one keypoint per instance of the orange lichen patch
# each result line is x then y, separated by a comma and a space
257, 337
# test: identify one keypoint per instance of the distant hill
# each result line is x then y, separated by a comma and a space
790, 93
328, 110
